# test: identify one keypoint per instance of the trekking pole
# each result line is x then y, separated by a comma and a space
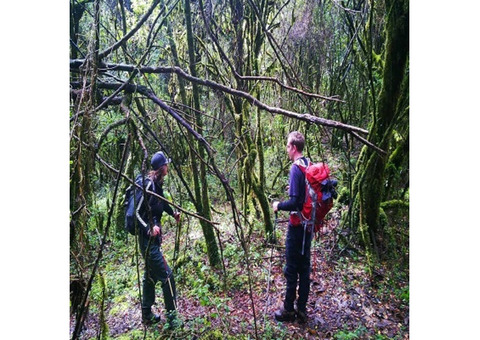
176, 250
270, 267
275, 227
174, 297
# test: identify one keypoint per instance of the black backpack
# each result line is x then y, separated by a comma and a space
133, 195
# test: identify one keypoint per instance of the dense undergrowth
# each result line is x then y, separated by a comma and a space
345, 301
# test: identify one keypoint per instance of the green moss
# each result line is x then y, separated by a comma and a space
392, 204
182, 260
200, 246
118, 308
383, 219
343, 195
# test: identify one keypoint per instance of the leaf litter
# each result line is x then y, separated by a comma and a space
343, 300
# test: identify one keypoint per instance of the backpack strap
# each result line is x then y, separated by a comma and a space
148, 183
302, 165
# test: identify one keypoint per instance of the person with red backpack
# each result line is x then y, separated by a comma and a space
298, 240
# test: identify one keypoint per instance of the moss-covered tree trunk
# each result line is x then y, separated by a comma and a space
183, 97
370, 179
200, 179
259, 186
252, 150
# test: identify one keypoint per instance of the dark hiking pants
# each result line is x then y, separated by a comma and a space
297, 267
156, 269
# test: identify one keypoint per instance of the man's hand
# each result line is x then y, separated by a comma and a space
176, 216
275, 206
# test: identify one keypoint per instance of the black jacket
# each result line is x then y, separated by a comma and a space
157, 206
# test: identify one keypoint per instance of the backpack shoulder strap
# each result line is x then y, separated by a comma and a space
152, 183
148, 182
302, 164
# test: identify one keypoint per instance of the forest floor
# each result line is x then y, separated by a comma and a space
344, 301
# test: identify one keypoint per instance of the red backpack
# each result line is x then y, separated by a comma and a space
319, 195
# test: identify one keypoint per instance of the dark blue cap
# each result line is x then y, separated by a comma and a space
158, 160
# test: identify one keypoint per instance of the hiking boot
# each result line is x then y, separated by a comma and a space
283, 315
302, 316
151, 319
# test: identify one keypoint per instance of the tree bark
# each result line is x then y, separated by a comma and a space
200, 179
370, 180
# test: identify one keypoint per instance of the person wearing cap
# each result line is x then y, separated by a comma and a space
150, 239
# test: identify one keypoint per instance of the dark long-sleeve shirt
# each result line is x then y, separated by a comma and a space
296, 191
157, 206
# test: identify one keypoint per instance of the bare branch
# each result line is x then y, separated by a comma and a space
107, 130
373, 146
303, 117
258, 78
140, 23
